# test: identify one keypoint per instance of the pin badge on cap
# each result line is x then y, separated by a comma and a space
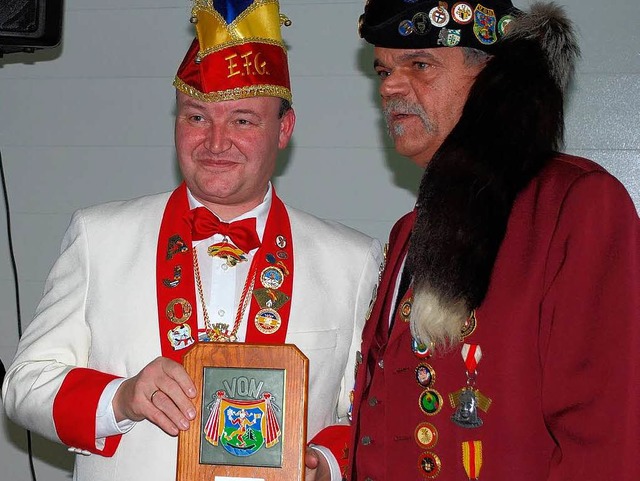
462, 13
439, 16
484, 26
449, 37
406, 28
421, 23
503, 24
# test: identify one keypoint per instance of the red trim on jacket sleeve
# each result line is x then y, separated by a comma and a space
74, 410
336, 439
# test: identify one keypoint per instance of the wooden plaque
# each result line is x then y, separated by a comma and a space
251, 419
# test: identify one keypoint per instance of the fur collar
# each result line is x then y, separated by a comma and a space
510, 126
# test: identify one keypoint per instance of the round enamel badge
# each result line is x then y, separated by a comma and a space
469, 325
181, 315
426, 435
405, 310
421, 23
430, 402
503, 25
271, 277
405, 28
420, 350
462, 13
281, 241
429, 464
425, 375
439, 16
271, 259
267, 321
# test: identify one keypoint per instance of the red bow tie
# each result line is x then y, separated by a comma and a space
242, 232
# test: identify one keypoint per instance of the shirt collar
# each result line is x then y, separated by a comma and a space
260, 212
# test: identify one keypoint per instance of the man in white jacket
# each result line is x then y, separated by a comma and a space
222, 258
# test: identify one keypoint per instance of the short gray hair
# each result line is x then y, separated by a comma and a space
474, 56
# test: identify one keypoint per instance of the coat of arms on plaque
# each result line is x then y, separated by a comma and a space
242, 417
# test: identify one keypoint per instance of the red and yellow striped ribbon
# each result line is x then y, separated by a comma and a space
472, 458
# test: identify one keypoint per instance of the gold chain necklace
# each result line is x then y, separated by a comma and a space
219, 332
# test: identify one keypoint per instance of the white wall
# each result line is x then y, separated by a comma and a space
92, 121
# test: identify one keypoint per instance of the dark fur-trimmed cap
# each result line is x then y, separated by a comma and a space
429, 24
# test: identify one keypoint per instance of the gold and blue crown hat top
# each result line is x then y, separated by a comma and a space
420, 24
238, 52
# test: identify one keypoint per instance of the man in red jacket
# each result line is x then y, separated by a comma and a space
503, 341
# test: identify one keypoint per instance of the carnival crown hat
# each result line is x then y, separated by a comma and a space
238, 52
430, 23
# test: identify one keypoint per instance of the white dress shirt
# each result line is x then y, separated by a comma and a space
222, 285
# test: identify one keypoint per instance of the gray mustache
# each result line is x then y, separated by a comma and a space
400, 106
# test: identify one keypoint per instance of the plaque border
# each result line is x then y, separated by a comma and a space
285, 357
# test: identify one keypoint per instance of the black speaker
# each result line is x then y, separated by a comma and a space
29, 25
2, 373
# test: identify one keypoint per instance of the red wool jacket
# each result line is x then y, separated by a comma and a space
559, 332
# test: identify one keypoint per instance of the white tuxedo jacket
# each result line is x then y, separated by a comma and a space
99, 311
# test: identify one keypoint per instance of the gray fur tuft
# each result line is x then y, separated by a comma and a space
549, 25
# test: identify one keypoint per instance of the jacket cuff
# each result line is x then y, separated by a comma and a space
75, 407
336, 439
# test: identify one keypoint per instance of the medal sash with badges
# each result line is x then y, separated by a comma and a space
430, 401
272, 267
466, 402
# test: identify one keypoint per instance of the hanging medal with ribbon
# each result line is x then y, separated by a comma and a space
468, 400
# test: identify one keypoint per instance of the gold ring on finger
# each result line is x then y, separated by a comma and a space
153, 394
